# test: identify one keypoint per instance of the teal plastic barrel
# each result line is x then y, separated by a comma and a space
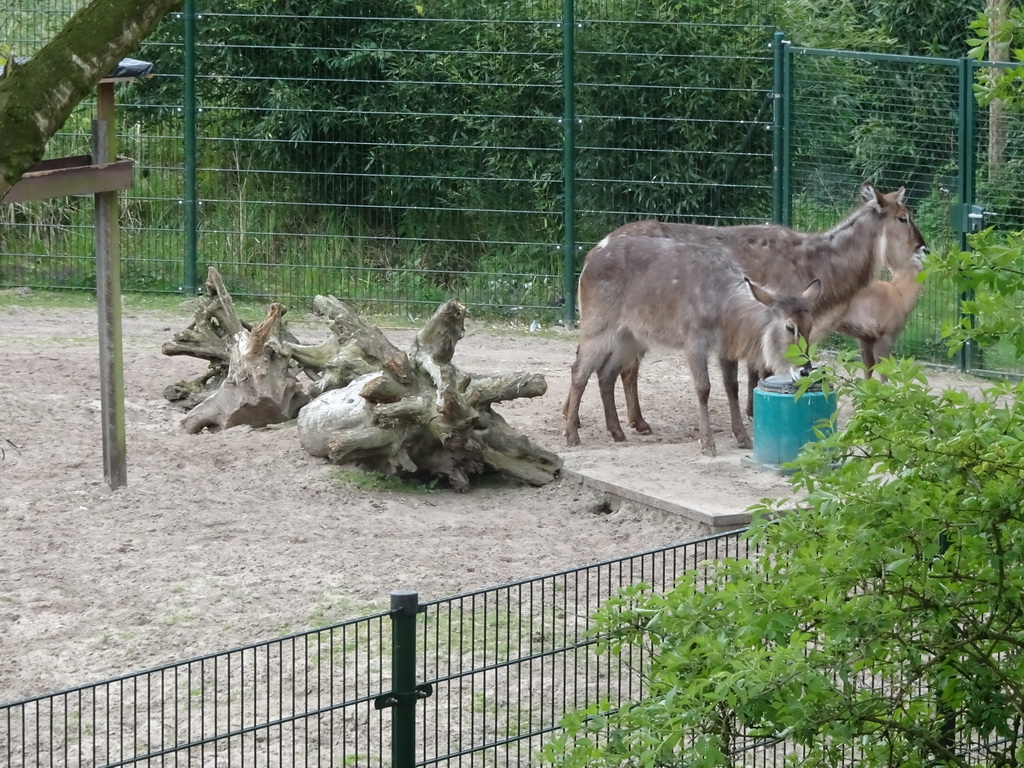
783, 424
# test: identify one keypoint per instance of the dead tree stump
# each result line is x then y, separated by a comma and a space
368, 402
416, 412
251, 380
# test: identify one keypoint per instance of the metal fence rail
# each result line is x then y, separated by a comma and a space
283, 702
397, 158
502, 666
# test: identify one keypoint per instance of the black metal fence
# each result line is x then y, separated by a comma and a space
477, 679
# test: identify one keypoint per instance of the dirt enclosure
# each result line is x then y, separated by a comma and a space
224, 539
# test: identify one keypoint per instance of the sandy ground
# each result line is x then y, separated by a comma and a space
224, 539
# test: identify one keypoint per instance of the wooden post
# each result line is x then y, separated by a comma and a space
101, 174
108, 293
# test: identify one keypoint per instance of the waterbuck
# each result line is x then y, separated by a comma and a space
845, 258
877, 314
875, 317
635, 292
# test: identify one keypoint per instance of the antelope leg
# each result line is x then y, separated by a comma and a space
730, 371
630, 376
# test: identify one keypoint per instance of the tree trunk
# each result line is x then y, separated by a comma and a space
419, 413
37, 96
251, 380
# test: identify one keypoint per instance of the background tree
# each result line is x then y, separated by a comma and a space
37, 96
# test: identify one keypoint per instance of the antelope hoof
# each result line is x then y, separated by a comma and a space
708, 448
572, 438
642, 427
618, 436
744, 442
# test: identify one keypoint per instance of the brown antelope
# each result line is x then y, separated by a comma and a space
844, 259
875, 317
635, 292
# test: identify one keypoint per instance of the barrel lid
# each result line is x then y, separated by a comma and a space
783, 383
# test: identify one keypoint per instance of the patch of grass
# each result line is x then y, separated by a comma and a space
77, 299
366, 480
182, 617
330, 609
21, 297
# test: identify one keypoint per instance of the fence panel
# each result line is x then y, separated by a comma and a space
996, 158
667, 127
505, 664
382, 155
303, 699
904, 121
906, 134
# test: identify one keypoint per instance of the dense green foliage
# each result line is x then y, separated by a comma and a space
914, 27
882, 622
411, 151
439, 120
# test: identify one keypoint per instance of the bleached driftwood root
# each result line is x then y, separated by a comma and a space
418, 413
251, 380
368, 402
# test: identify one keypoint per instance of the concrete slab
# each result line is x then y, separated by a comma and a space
715, 492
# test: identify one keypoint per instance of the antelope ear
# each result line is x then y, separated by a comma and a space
812, 291
763, 295
871, 195
901, 195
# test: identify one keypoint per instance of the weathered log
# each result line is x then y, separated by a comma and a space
419, 413
354, 349
372, 404
494, 388
189, 394
214, 324
208, 337
251, 380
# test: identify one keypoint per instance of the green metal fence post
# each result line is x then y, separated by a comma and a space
569, 159
778, 128
189, 107
965, 181
404, 693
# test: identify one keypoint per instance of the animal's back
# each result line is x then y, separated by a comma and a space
768, 254
661, 289
845, 258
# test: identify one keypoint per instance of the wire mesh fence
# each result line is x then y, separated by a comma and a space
502, 666
478, 679
396, 156
308, 697
920, 129
908, 135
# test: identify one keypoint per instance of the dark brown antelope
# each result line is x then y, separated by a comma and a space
635, 292
845, 259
